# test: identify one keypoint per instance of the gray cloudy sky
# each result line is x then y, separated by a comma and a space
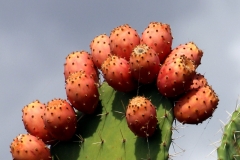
36, 36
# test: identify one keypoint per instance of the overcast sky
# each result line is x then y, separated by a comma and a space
36, 36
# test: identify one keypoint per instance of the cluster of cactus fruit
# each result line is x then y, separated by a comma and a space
129, 114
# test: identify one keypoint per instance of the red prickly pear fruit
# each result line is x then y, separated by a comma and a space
141, 116
82, 92
80, 61
60, 119
29, 147
196, 105
123, 40
117, 74
175, 77
100, 49
190, 50
158, 36
144, 64
32, 118
198, 81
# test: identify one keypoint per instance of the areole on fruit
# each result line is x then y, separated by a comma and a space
141, 116
144, 64
139, 50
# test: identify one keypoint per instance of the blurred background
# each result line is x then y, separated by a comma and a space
36, 36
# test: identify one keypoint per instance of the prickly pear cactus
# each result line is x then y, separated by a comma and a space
105, 134
230, 144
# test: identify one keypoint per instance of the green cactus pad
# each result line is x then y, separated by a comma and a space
230, 144
105, 134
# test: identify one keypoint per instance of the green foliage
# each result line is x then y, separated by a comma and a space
105, 134
230, 144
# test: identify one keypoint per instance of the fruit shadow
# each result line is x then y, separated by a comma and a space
65, 150
87, 124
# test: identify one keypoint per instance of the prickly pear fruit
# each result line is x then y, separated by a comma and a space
80, 61
60, 119
196, 105
116, 72
144, 64
29, 147
123, 40
141, 116
82, 92
33, 121
198, 81
176, 77
100, 49
158, 36
190, 50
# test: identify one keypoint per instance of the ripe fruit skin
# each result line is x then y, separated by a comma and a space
80, 61
100, 49
33, 121
141, 116
29, 147
198, 81
123, 40
196, 105
144, 64
116, 72
82, 92
60, 119
175, 77
158, 36
190, 50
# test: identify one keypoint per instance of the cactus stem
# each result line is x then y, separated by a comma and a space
99, 134
124, 140
105, 109
101, 142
